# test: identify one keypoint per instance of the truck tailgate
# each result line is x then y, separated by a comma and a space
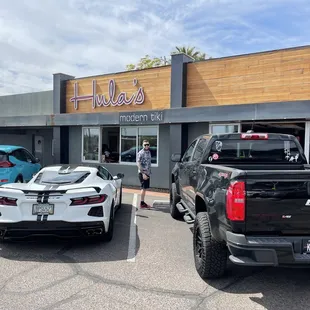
278, 202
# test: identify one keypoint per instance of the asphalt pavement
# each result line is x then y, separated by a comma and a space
148, 265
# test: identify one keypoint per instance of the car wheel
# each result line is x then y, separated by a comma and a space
108, 236
174, 199
210, 255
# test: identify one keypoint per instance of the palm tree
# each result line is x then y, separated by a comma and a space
190, 51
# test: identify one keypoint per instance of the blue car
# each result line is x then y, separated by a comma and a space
17, 164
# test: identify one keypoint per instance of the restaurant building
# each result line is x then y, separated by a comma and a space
105, 118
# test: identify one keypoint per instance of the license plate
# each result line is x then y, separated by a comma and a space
44, 208
306, 246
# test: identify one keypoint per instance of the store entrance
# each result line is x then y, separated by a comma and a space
295, 129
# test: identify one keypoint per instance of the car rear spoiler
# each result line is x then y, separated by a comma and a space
62, 191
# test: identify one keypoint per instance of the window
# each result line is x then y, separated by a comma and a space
187, 155
118, 144
259, 151
29, 157
200, 148
20, 155
3, 156
54, 177
90, 144
131, 142
150, 134
104, 174
224, 128
110, 144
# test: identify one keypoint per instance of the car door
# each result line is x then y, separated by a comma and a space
33, 167
25, 164
104, 174
183, 170
20, 160
192, 168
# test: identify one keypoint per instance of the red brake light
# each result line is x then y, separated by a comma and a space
254, 136
6, 164
235, 201
6, 201
88, 200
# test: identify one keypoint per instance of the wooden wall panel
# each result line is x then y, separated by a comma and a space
155, 83
276, 76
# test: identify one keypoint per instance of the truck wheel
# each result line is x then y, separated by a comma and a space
210, 255
174, 199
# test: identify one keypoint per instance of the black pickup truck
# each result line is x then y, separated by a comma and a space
248, 196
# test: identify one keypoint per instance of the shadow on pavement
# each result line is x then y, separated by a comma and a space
49, 249
277, 288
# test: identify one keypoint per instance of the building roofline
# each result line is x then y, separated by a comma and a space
266, 52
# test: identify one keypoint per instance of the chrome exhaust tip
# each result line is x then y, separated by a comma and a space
98, 231
89, 232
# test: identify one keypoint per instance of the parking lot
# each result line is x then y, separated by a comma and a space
148, 265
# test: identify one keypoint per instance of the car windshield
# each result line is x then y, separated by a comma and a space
258, 151
54, 177
3, 156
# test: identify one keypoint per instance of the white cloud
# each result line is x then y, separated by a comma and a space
83, 38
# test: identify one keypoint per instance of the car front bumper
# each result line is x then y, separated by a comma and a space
268, 251
25, 229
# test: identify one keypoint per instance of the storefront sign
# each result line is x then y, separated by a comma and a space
149, 117
101, 101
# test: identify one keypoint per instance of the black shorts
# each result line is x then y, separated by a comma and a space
144, 183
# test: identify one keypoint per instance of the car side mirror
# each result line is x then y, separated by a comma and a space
176, 157
37, 160
118, 176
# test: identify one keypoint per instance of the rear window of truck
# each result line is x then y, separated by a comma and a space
258, 151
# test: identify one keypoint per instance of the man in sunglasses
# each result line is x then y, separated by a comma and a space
144, 169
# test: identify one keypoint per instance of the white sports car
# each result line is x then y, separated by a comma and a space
62, 200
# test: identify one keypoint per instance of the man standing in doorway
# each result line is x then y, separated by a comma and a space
144, 170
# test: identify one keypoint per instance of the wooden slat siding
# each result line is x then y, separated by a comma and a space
155, 83
269, 77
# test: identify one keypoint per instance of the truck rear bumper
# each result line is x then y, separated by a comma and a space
268, 251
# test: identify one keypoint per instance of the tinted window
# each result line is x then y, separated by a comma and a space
187, 155
3, 156
260, 151
28, 156
104, 174
54, 177
20, 155
200, 148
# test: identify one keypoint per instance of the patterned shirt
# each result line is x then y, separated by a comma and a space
144, 158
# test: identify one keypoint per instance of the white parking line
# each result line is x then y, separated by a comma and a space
133, 231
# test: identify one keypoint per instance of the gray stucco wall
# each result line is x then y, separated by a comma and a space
160, 174
25, 138
197, 129
39, 103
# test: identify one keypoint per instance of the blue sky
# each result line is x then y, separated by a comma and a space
93, 37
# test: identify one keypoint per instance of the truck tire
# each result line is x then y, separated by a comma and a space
210, 255
174, 199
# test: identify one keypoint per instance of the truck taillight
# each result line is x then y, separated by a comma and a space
6, 201
254, 136
88, 200
235, 201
